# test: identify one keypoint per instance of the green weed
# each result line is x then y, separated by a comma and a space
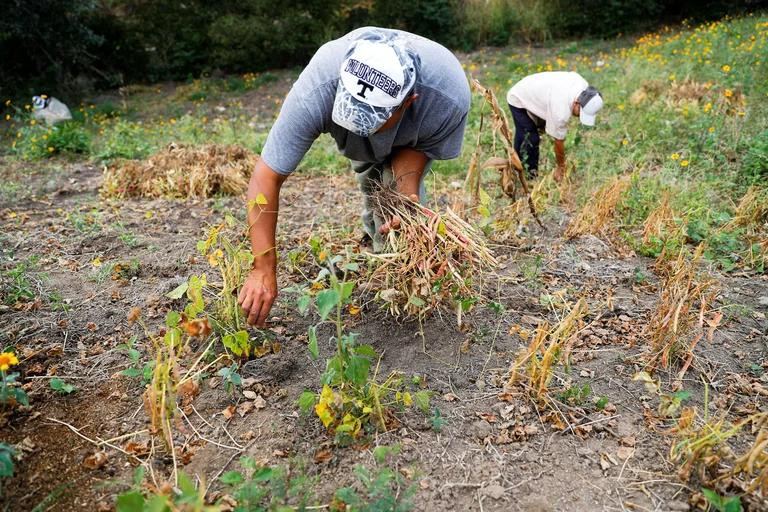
62, 387
7, 456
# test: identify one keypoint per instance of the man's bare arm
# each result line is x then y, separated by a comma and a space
408, 168
263, 199
560, 159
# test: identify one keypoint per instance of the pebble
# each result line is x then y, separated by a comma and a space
481, 429
763, 301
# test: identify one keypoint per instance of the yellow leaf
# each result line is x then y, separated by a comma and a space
324, 413
354, 310
441, 228
650, 385
326, 395
148, 215
96, 262
367, 410
215, 256
407, 400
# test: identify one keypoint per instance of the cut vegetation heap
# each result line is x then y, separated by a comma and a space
181, 171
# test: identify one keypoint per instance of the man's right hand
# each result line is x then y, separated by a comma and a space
258, 294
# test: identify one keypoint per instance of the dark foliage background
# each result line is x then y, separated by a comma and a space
70, 47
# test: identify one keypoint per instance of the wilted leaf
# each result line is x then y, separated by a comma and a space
134, 315
96, 460
651, 385
323, 455
625, 452
188, 388
244, 408
178, 292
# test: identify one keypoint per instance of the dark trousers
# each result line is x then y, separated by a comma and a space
526, 140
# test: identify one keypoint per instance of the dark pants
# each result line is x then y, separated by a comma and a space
526, 140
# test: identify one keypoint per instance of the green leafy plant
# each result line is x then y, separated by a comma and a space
10, 393
437, 420
185, 496
136, 370
260, 488
16, 284
7, 455
576, 395
230, 377
382, 490
351, 397
62, 387
722, 503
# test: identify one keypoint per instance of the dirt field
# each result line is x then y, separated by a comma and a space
493, 452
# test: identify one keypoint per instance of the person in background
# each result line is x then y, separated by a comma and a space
545, 102
392, 101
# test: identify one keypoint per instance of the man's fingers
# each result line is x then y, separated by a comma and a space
253, 314
266, 306
247, 301
414, 198
242, 295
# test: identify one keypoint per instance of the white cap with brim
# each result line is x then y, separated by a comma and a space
591, 102
376, 75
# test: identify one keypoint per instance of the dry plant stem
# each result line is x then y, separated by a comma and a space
473, 180
100, 442
600, 209
685, 300
501, 126
432, 259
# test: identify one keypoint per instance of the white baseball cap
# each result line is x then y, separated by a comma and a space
591, 102
376, 75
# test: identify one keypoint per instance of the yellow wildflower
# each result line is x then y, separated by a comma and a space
726, 68
684, 163
728, 93
624, 142
7, 359
711, 129
674, 156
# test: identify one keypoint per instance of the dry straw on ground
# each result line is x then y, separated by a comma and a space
432, 260
597, 213
181, 171
678, 324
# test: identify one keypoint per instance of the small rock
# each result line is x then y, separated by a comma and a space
481, 429
763, 301
680, 506
493, 491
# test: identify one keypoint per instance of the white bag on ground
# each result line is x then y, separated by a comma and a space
50, 110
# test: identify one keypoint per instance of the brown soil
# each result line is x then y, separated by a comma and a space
491, 454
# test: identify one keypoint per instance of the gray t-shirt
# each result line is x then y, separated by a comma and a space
434, 123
